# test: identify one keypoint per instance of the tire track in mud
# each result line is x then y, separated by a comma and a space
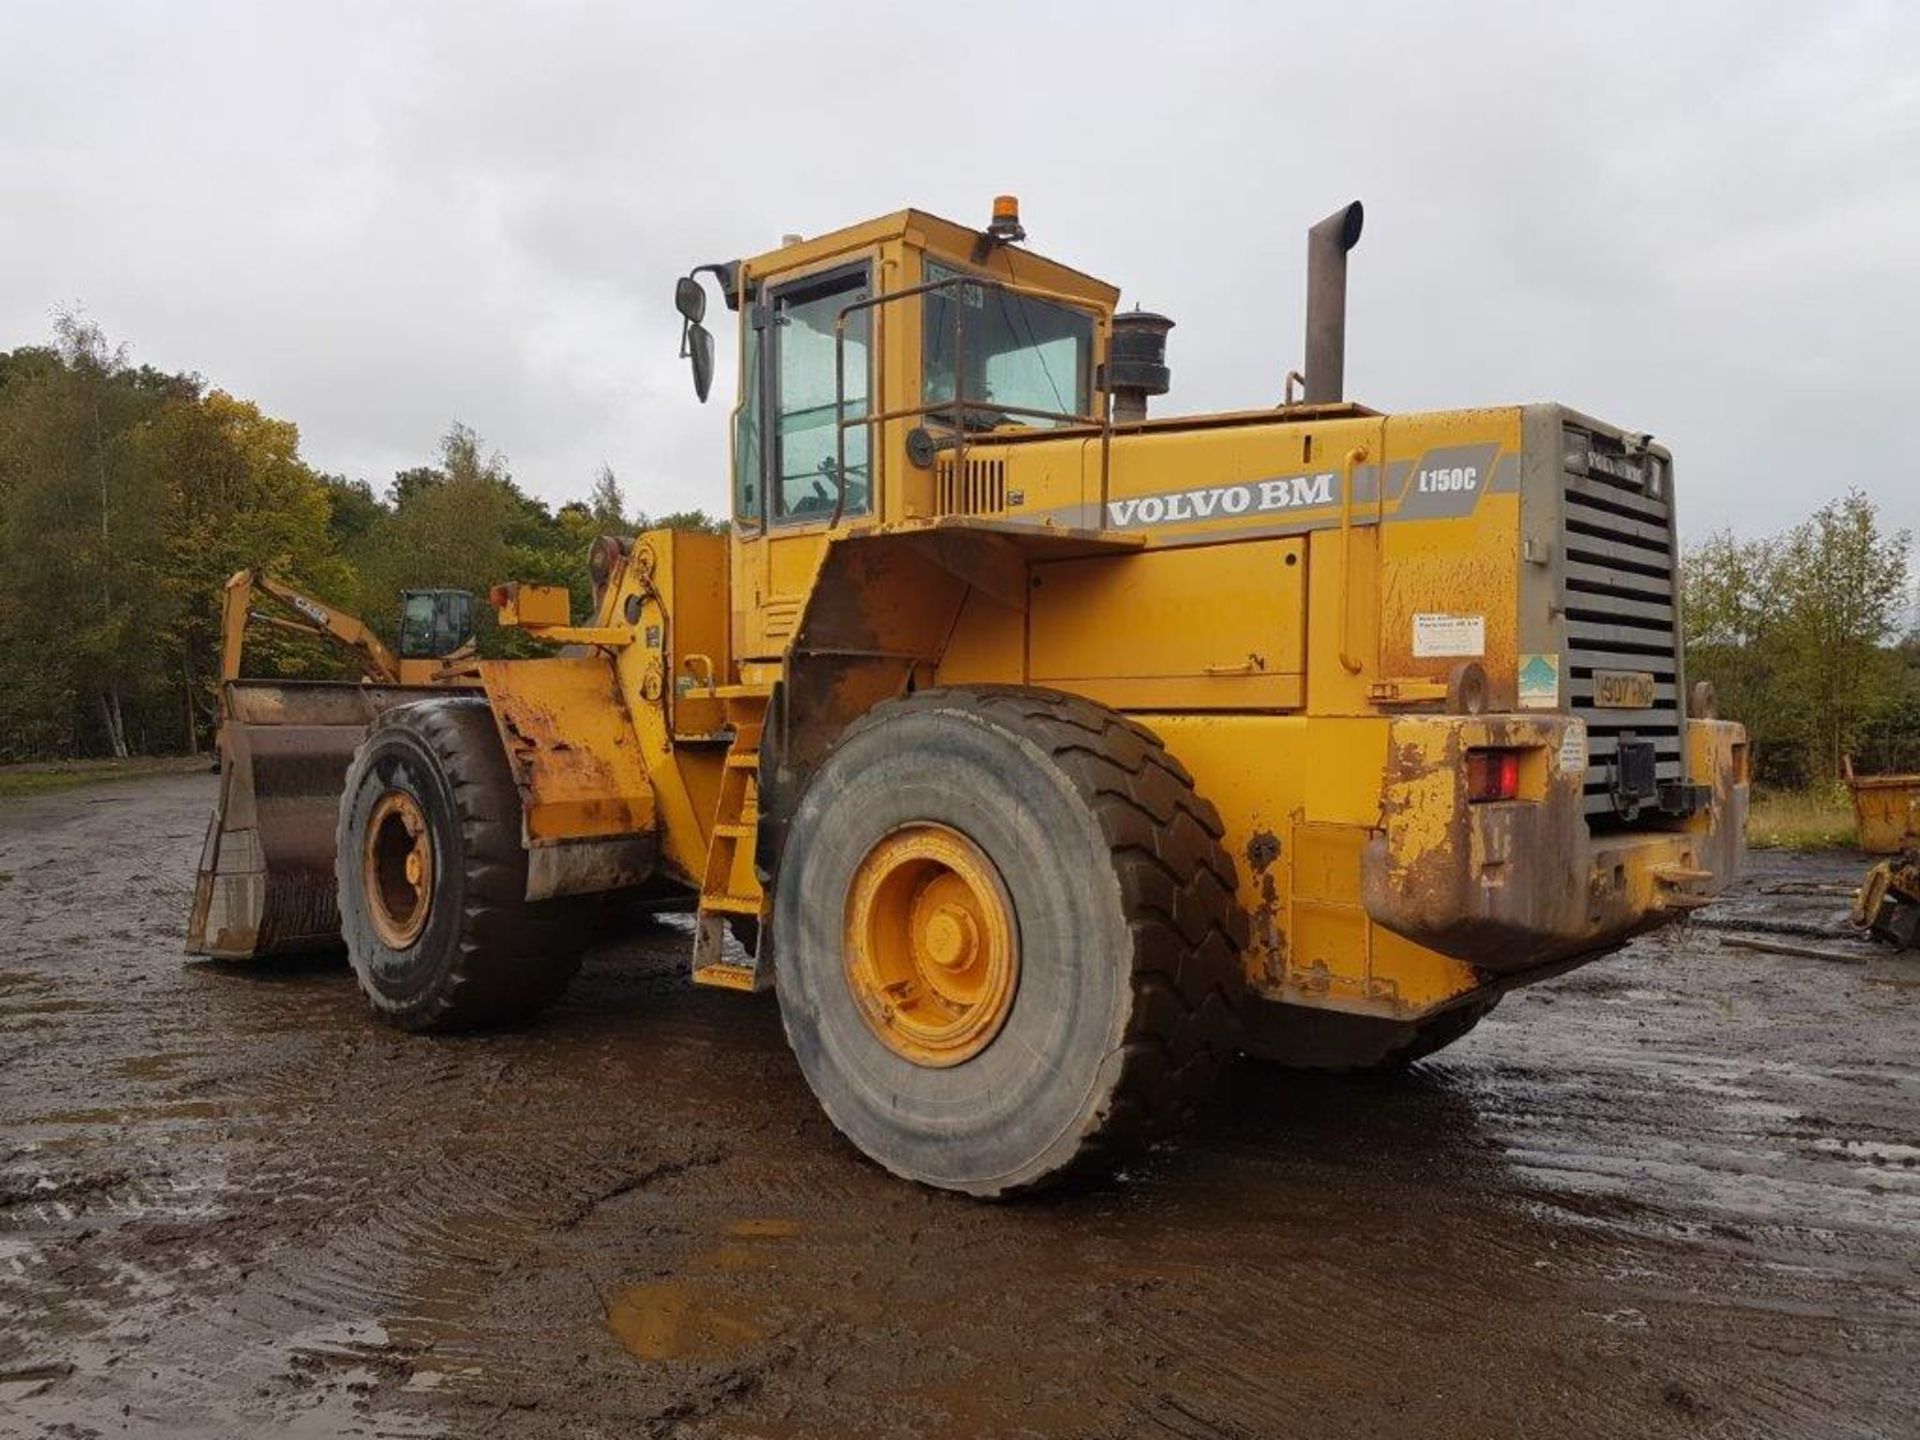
421, 1256
1670, 1195
222, 1352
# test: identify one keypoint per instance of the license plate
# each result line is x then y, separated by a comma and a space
1623, 690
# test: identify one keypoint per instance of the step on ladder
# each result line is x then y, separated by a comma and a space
730, 890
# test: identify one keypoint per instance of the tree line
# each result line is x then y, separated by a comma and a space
129, 494
1808, 638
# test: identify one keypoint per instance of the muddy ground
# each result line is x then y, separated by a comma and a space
1676, 1193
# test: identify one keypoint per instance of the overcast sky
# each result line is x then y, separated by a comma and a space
1695, 219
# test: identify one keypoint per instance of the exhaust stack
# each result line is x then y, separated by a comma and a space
1327, 247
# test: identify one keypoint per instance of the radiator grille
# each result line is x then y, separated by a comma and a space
973, 487
1618, 600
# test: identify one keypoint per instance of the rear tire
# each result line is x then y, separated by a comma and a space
466, 949
1120, 899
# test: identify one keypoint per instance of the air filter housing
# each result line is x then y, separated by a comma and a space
1137, 362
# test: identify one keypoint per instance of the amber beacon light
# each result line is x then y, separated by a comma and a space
1006, 226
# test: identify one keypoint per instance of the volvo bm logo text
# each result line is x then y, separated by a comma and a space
1255, 497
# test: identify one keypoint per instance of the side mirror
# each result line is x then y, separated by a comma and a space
696, 344
690, 299
700, 349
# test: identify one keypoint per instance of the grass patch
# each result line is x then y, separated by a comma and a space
1801, 820
38, 778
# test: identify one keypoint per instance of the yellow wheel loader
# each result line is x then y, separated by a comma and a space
265, 883
1045, 753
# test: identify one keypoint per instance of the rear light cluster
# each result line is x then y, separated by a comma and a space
1493, 775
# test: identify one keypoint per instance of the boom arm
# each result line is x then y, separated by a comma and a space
347, 631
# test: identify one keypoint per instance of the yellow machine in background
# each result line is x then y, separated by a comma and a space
265, 882
1046, 753
436, 629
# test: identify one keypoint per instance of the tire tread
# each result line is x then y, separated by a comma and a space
1177, 884
513, 957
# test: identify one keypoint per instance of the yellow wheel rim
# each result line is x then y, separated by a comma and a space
396, 866
931, 952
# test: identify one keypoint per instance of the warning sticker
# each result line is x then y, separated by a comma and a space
1573, 749
1443, 635
1539, 682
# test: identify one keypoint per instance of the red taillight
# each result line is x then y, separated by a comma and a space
1493, 774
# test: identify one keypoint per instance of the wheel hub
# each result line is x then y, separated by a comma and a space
397, 869
931, 952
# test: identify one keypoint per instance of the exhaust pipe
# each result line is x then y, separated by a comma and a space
1327, 247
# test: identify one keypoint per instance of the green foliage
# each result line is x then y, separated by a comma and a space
127, 496
607, 505
89, 547
690, 520
1798, 633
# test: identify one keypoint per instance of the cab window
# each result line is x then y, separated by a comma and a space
1019, 354
434, 623
749, 459
804, 484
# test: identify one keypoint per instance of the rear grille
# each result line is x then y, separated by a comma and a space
974, 487
1618, 599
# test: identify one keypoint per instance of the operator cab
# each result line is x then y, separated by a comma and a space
435, 624
867, 353
877, 364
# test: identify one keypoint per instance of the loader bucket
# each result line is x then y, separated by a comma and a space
266, 883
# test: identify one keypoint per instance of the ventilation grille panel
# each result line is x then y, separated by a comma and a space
972, 487
1618, 599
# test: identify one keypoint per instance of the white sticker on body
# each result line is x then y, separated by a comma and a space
1573, 748
1438, 636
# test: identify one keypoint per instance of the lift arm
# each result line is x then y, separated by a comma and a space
347, 631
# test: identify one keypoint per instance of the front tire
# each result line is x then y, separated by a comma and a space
432, 876
1056, 861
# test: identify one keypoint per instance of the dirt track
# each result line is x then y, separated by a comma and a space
1677, 1193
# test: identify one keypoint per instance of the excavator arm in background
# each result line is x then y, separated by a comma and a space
350, 632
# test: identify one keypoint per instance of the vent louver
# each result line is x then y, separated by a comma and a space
972, 487
1618, 599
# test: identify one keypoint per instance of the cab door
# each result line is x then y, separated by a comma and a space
786, 452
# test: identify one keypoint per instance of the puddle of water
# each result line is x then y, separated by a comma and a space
43, 1007
767, 1229
152, 1067
675, 1320
345, 1407
1879, 1152
340, 1339
1763, 1110
689, 1318
13, 1392
170, 1110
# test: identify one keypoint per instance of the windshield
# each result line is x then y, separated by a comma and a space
1018, 353
434, 623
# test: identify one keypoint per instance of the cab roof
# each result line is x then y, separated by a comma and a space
946, 237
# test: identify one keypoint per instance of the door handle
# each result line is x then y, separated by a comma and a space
1246, 667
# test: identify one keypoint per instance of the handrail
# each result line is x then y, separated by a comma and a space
959, 406
1355, 458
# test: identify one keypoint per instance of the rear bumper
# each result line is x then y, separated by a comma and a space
1510, 886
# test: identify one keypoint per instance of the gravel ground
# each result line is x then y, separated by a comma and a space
1674, 1193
